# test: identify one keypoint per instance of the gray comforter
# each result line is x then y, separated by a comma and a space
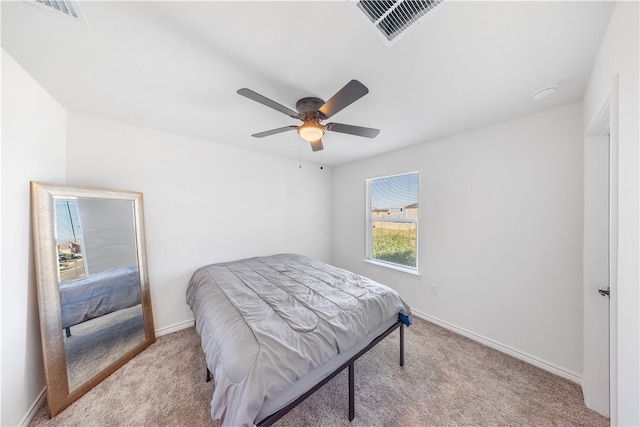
266, 322
97, 294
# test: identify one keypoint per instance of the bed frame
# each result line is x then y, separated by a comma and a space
269, 420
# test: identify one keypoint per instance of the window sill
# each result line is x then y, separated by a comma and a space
405, 270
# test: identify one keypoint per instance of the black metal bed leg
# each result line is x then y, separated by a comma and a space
208, 375
67, 330
401, 344
351, 393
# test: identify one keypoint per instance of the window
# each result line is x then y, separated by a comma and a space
392, 221
69, 240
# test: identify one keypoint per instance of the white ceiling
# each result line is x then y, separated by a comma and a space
176, 66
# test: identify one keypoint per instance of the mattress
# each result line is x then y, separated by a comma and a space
272, 326
95, 295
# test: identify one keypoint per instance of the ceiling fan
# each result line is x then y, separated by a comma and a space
313, 110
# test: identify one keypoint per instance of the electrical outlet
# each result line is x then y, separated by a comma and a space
434, 289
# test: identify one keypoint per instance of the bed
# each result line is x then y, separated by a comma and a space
97, 294
274, 329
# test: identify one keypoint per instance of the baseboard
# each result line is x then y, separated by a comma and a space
549, 367
174, 328
34, 408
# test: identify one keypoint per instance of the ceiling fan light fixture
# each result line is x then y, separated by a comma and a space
311, 111
310, 131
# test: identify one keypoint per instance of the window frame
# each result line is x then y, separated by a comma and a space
59, 239
369, 239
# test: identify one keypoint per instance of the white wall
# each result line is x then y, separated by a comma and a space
500, 233
33, 149
619, 56
203, 202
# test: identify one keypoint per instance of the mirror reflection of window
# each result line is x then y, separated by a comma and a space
69, 240
108, 231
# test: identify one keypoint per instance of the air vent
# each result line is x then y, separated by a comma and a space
61, 6
391, 18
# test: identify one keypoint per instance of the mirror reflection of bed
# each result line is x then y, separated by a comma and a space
99, 283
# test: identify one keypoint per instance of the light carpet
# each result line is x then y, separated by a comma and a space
447, 380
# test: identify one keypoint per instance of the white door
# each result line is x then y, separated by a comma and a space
597, 273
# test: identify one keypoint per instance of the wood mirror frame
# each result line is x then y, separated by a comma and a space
59, 394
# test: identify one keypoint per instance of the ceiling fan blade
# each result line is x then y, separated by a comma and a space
274, 131
266, 101
316, 145
352, 130
350, 93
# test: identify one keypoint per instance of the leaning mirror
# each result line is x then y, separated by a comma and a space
93, 286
